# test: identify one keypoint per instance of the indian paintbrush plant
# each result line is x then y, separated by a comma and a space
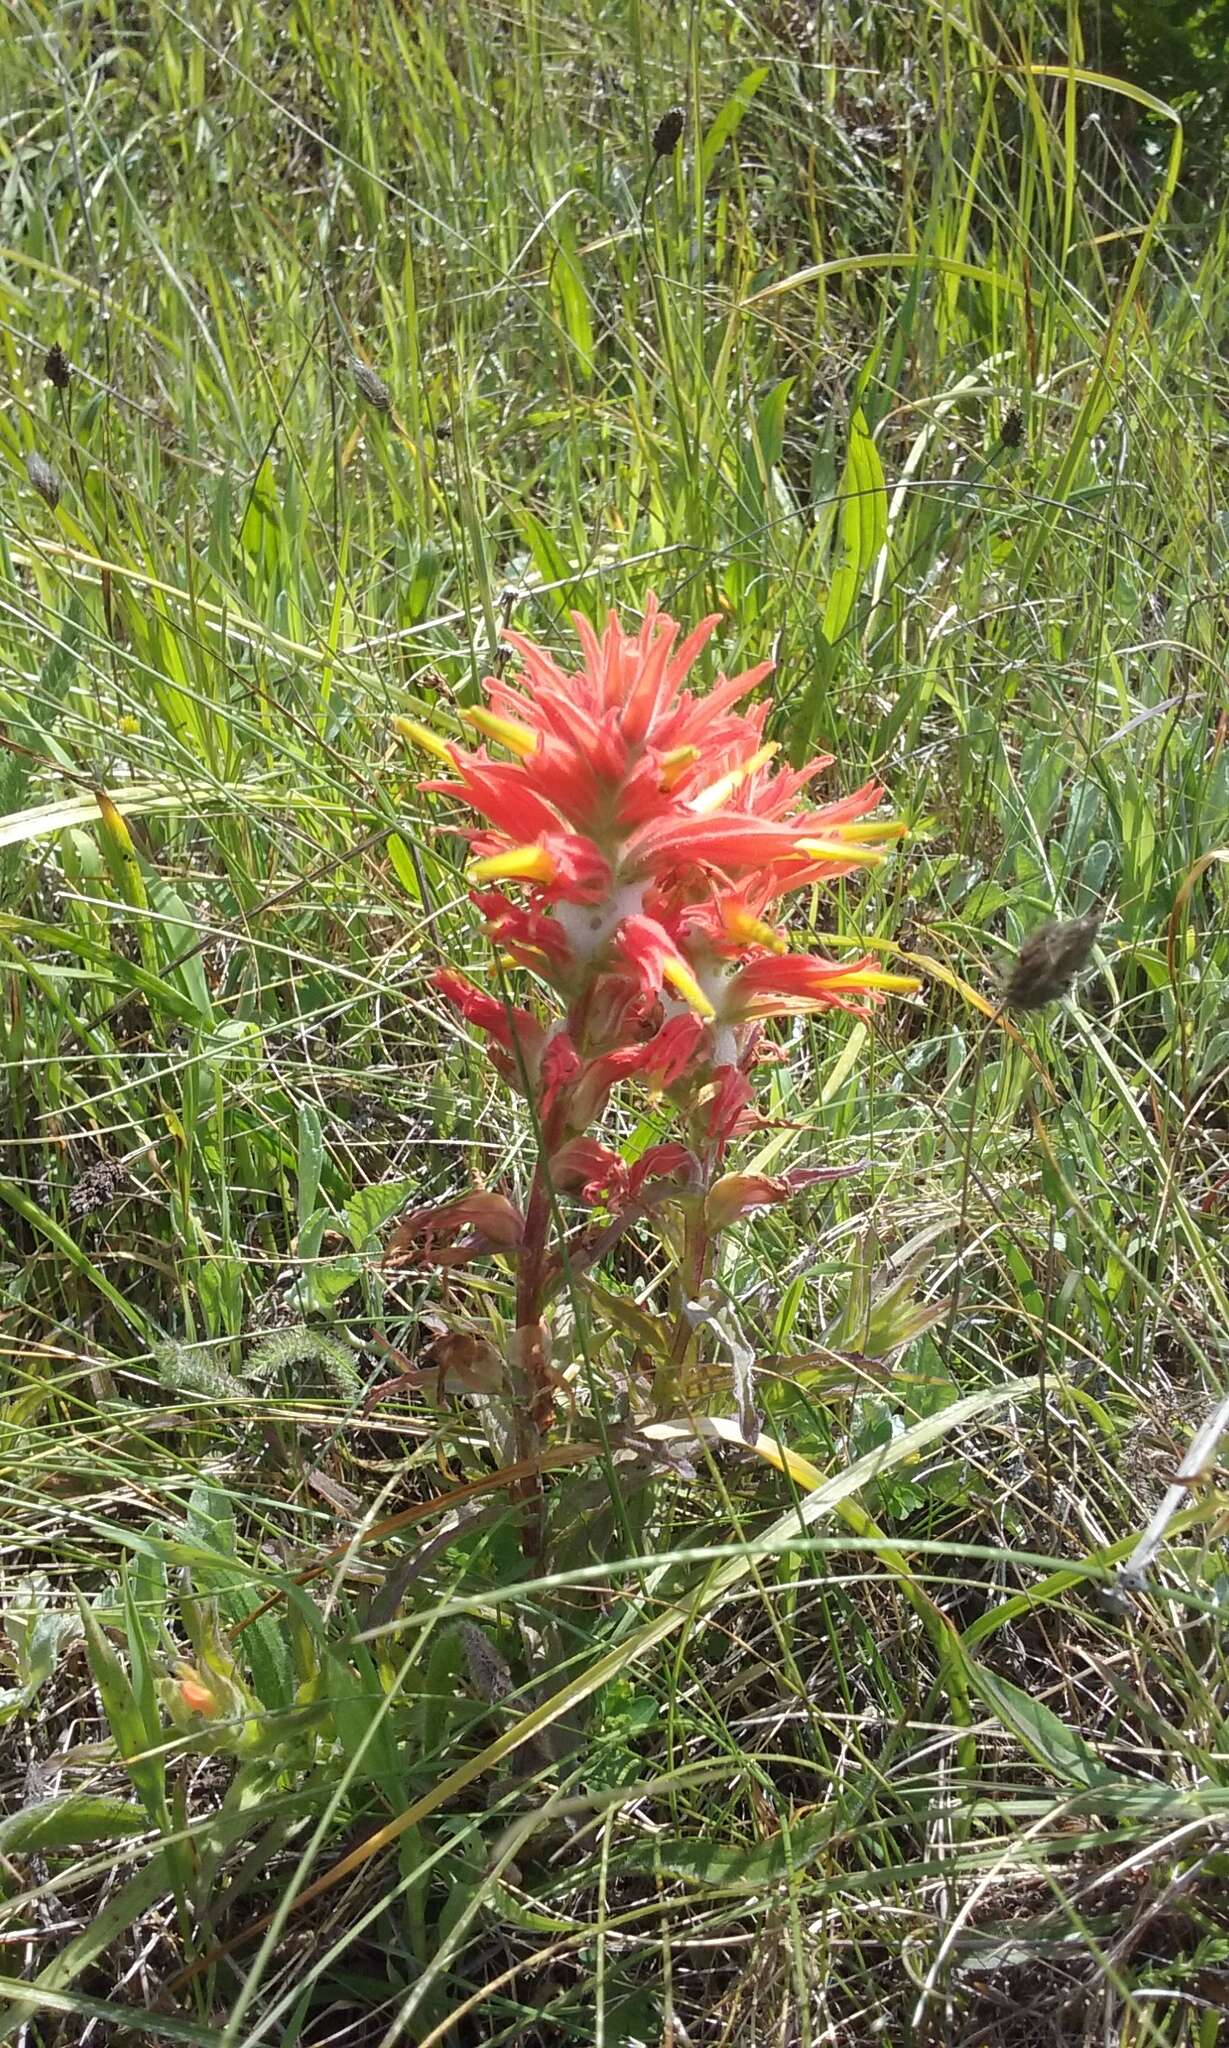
651, 838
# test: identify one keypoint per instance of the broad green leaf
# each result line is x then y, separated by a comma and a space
770, 423
323, 1285
140, 1660
572, 299
176, 933
862, 529
70, 1820
362, 1729
549, 559
1039, 1728
729, 118
369, 1209
403, 866
210, 1520
34, 1629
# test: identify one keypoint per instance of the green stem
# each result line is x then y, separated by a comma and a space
691, 1280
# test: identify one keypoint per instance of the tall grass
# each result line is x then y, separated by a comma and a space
911, 361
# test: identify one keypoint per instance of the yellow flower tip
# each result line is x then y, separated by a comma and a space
712, 798
746, 930
892, 984
681, 979
838, 849
113, 822
871, 830
422, 737
519, 864
675, 764
507, 732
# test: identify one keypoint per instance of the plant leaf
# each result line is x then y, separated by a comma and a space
863, 527
1047, 1738
728, 119
69, 1820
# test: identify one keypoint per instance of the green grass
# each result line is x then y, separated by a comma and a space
886, 1762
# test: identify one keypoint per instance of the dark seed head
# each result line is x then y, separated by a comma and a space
56, 368
373, 388
1012, 431
96, 1188
44, 478
1049, 961
669, 131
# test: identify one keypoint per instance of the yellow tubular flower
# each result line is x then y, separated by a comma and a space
887, 828
895, 984
681, 979
675, 764
422, 736
507, 732
520, 864
838, 849
712, 798
746, 930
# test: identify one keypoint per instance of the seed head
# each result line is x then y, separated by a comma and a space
1049, 961
100, 1185
488, 1671
372, 387
1012, 431
44, 478
669, 132
56, 368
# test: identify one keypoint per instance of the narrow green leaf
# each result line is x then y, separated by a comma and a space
675, 1616
125, 1718
121, 1912
127, 2021
47, 1227
729, 118
309, 1160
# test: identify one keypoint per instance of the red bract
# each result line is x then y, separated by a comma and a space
625, 797
586, 1167
773, 987
735, 1193
430, 1236
652, 832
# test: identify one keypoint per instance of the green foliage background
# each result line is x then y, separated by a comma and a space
912, 361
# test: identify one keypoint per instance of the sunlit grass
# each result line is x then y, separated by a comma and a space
908, 1766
